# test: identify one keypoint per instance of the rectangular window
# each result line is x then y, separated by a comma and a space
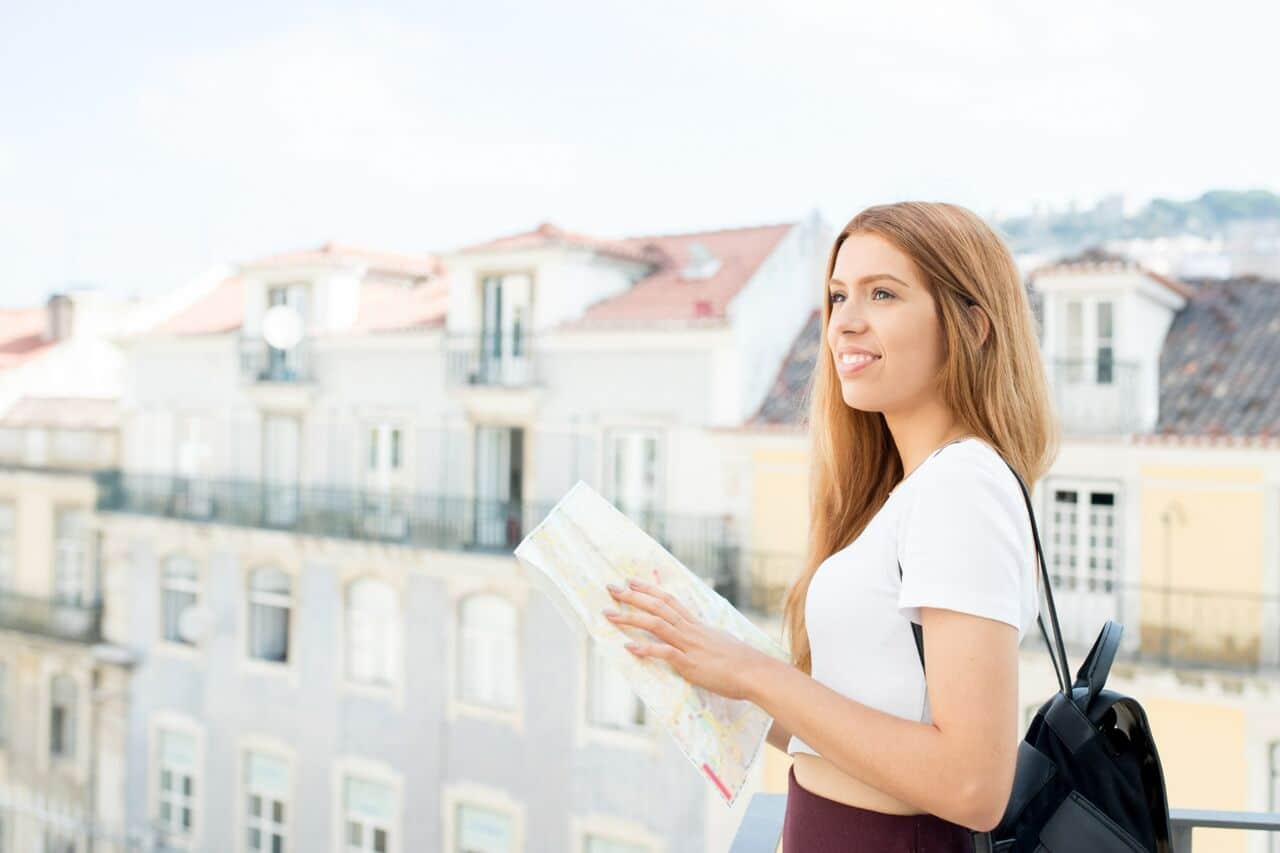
1274, 794
179, 591
483, 830
636, 476
611, 701
1073, 337
1093, 535
8, 545
267, 786
175, 784
368, 811
1104, 347
70, 556
56, 842
62, 717
4, 714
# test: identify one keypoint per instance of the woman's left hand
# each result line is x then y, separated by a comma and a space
703, 656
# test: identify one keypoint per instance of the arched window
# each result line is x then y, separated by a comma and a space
179, 589
373, 632
487, 664
611, 702
269, 604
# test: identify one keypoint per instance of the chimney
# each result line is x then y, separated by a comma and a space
58, 315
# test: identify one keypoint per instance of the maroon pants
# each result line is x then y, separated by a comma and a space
814, 824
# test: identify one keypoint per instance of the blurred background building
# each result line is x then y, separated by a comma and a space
255, 536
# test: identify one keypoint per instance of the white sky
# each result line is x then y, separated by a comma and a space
142, 143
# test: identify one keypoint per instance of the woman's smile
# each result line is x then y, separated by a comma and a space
857, 365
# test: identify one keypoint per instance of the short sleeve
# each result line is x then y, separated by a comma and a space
959, 543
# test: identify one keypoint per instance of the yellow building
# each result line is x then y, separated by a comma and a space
1160, 512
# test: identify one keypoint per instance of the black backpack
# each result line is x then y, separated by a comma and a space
1088, 777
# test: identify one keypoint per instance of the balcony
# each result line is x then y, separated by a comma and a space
703, 543
1098, 397
78, 622
261, 362
490, 359
761, 827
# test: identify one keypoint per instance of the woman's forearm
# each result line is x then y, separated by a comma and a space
907, 760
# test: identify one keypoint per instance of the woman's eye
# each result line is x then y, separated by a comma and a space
888, 293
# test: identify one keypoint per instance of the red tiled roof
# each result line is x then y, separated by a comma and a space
21, 331
548, 235
387, 303
413, 266
667, 295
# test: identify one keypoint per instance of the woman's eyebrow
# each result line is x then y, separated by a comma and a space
867, 279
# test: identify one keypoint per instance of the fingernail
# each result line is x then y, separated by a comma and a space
613, 588
609, 614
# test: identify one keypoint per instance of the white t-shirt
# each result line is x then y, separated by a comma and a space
959, 525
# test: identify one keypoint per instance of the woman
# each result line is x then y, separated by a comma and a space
928, 378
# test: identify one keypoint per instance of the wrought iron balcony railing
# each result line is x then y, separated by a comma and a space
761, 827
491, 358
1096, 397
77, 621
261, 362
703, 543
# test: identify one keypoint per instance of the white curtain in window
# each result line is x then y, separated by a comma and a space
612, 701
179, 590
8, 545
488, 665
69, 556
269, 604
373, 631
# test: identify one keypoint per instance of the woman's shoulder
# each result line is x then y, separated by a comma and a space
970, 466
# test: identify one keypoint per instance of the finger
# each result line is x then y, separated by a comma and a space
666, 597
651, 603
656, 650
661, 629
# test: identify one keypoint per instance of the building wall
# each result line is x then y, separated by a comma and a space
432, 745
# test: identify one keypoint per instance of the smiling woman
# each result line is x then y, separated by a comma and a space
928, 395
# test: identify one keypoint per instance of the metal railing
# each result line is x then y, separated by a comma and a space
491, 358
1096, 396
261, 362
703, 543
761, 827
79, 622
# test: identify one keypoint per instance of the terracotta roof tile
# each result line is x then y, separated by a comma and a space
669, 295
1219, 366
21, 335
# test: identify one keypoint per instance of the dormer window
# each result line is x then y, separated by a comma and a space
1089, 347
701, 263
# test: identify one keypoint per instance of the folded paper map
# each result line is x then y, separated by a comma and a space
584, 544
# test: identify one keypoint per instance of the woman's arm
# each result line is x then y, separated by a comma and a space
960, 766
778, 737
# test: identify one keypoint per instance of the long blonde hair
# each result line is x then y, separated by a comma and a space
997, 390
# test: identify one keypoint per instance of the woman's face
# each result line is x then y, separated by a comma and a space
880, 304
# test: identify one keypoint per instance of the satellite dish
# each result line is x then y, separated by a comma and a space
282, 326
194, 622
